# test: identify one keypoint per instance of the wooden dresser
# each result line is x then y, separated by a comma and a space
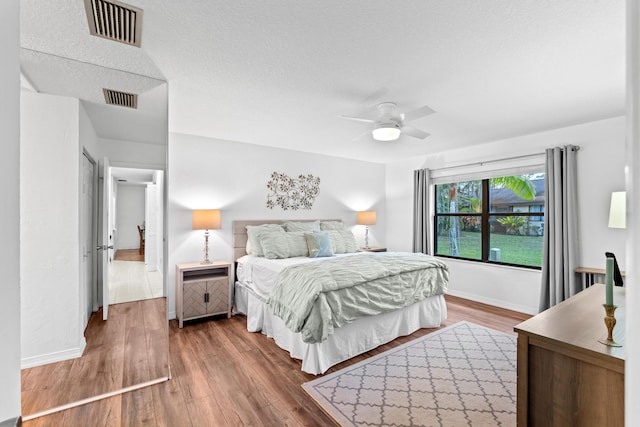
565, 376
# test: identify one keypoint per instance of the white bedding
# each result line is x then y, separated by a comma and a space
256, 276
260, 273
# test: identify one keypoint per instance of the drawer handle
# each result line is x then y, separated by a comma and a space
206, 297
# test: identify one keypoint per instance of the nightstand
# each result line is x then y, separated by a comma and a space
374, 249
203, 290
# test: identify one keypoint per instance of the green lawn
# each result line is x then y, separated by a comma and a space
523, 250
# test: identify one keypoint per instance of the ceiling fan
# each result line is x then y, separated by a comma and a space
391, 123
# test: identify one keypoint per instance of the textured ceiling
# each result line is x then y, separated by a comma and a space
59, 57
280, 73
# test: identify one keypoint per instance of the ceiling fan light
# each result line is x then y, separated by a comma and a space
386, 132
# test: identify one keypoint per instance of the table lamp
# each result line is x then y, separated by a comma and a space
206, 219
366, 218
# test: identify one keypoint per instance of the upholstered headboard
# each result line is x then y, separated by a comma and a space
240, 232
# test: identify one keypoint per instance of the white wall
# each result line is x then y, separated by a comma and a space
87, 134
129, 214
49, 208
230, 176
601, 162
10, 211
133, 154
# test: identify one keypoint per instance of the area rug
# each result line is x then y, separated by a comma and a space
461, 375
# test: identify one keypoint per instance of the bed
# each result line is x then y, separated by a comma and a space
258, 278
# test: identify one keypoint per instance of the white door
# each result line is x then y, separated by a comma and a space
151, 226
107, 243
88, 288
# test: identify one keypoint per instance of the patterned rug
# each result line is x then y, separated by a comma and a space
461, 375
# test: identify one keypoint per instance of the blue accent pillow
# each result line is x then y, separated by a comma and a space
319, 245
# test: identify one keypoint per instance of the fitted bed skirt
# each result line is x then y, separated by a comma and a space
346, 342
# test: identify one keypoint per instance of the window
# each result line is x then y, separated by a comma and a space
497, 220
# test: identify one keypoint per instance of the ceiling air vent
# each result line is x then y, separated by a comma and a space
123, 99
114, 21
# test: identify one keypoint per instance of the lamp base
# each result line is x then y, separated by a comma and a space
206, 259
366, 237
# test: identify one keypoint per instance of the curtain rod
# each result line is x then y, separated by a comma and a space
524, 156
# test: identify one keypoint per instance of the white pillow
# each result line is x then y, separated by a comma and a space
253, 236
350, 243
309, 227
331, 225
342, 241
276, 245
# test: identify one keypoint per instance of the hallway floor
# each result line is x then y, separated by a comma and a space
130, 281
128, 255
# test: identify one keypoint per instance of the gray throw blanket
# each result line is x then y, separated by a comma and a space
314, 298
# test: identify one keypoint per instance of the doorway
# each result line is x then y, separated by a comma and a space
136, 270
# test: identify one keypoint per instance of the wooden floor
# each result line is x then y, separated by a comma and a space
128, 255
224, 375
128, 349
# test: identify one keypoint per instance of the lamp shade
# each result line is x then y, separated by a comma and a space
206, 219
618, 210
367, 218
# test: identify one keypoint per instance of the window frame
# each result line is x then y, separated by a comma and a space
485, 216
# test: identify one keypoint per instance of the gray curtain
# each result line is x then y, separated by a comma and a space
560, 243
421, 214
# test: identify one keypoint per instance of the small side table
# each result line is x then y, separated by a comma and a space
203, 290
374, 249
589, 275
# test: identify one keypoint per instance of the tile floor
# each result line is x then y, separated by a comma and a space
130, 281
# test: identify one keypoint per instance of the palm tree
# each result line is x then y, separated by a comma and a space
465, 197
521, 185
513, 224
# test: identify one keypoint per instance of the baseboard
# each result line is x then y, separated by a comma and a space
494, 302
57, 356
171, 315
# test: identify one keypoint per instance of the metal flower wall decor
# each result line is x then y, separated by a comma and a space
292, 193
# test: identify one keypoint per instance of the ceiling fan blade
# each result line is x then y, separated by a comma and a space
415, 114
358, 119
414, 132
362, 135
